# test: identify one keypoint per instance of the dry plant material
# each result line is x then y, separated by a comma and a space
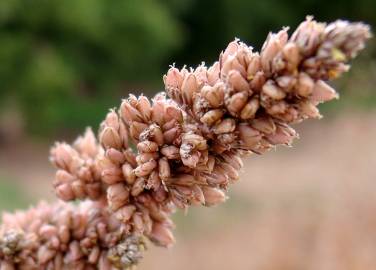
188, 148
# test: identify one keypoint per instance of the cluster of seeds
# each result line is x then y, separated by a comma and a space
152, 157
63, 236
247, 99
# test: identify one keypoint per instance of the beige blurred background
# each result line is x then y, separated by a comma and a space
309, 207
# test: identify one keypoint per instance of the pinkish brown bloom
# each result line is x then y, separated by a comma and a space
188, 149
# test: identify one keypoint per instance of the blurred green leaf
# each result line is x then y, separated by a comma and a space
12, 196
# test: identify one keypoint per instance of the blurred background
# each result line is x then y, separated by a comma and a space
63, 64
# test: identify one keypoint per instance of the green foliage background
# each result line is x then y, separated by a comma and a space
64, 62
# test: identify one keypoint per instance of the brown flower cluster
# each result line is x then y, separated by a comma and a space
247, 99
154, 156
63, 236
77, 176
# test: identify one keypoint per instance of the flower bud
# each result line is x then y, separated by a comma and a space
161, 235
232, 63
87, 144
136, 128
117, 196
45, 254
310, 110
164, 168
173, 78
189, 87
125, 213
291, 55
128, 173
233, 159
65, 192
237, 102
62, 156
145, 168
78, 189
230, 171
214, 95
305, 85
63, 177
250, 109
273, 91
237, 81
189, 158
138, 186
110, 138
308, 35
231, 49
144, 108
173, 112
171, 135
115, 156
286, 82
265, 125
195, 140
213, 196
225, 126
283, 135
129, 114
112, 175
170, 152
211, 117
157, 115
145, 157
47, 231
323, 92
147, 147
94, 255
254, 66
213, 74
258, 81
270, 49
183, 180
248, 135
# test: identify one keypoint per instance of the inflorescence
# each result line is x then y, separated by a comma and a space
177, 150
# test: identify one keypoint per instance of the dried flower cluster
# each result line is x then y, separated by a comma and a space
154, 156
64, 236
247, 99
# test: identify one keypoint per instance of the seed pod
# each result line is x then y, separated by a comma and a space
304, 85
291, 55
211, 117
213, 74
117, 196
254, 66
145, 168
164, 168
230, 64
248, 136
237, 81
214, 95
265, 125
189, 88
225, 126
250, 109
322, 92
170, 151
161, 235
213, 196
147, 147
271, 90
236, 103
